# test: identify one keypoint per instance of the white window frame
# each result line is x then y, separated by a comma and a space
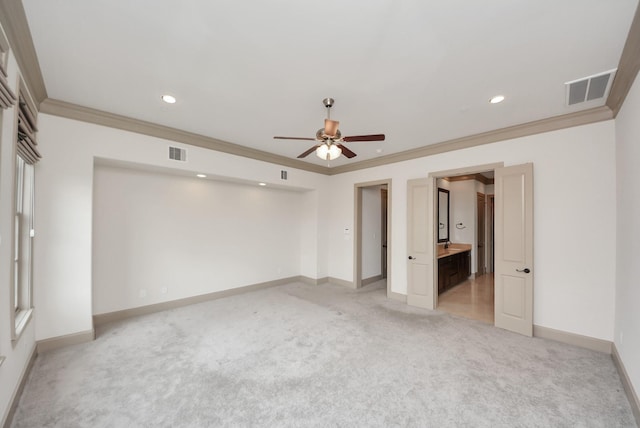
21, 290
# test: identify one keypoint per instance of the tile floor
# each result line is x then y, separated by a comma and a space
471, 299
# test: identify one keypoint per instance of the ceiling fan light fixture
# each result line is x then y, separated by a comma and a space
328, 141
328, 151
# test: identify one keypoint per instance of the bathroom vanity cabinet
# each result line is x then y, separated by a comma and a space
453, 268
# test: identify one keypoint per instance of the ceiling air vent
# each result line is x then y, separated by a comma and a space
176, 153
589, 88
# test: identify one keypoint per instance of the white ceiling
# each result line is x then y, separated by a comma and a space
421, 72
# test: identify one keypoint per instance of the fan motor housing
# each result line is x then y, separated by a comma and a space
321, 136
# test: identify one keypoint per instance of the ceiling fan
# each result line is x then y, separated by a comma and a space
330, 139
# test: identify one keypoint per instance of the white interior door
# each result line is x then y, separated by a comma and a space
514, 248
420, 224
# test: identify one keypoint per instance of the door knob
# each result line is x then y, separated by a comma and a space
412, 258
525, 270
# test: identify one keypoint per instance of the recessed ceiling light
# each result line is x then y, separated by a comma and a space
262, 184
169, 99
497, 99
201, 176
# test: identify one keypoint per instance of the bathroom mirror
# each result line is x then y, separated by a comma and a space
443, 215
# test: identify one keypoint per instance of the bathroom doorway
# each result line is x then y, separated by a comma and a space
465, 288
513, 254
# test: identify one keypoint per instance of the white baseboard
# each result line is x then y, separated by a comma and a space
573, 339
342, 282
632, 396
66, 340
100, 319
312, 281
17, 392
371, 280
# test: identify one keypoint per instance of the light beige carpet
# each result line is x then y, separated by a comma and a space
300, 355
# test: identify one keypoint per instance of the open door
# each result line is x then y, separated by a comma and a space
514, 248
420, 225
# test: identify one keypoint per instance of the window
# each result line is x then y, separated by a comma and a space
27, 155
23, 234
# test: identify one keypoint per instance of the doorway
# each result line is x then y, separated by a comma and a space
513, 295
372, 234
464, 289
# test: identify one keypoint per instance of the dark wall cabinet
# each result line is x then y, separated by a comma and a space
453, 269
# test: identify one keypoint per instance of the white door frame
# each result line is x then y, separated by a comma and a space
357, 233
434, 189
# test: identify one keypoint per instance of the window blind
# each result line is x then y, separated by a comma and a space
27, 133
7, 97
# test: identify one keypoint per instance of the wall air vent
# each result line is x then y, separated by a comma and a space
176, 153
589, 88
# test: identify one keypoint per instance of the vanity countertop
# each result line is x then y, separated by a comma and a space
453, 249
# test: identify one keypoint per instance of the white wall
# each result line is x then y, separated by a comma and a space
627, 321
160, 237
371, 229
16, 353
463, 210
574, 259
64, 201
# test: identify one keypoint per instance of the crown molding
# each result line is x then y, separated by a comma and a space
86, 114
555, 123
14, 22
628, 67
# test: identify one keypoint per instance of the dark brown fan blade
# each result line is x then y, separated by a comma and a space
345, 151
294, 138
374, 137
308, 152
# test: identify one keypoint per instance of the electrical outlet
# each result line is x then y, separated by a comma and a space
163, 290
143, 293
